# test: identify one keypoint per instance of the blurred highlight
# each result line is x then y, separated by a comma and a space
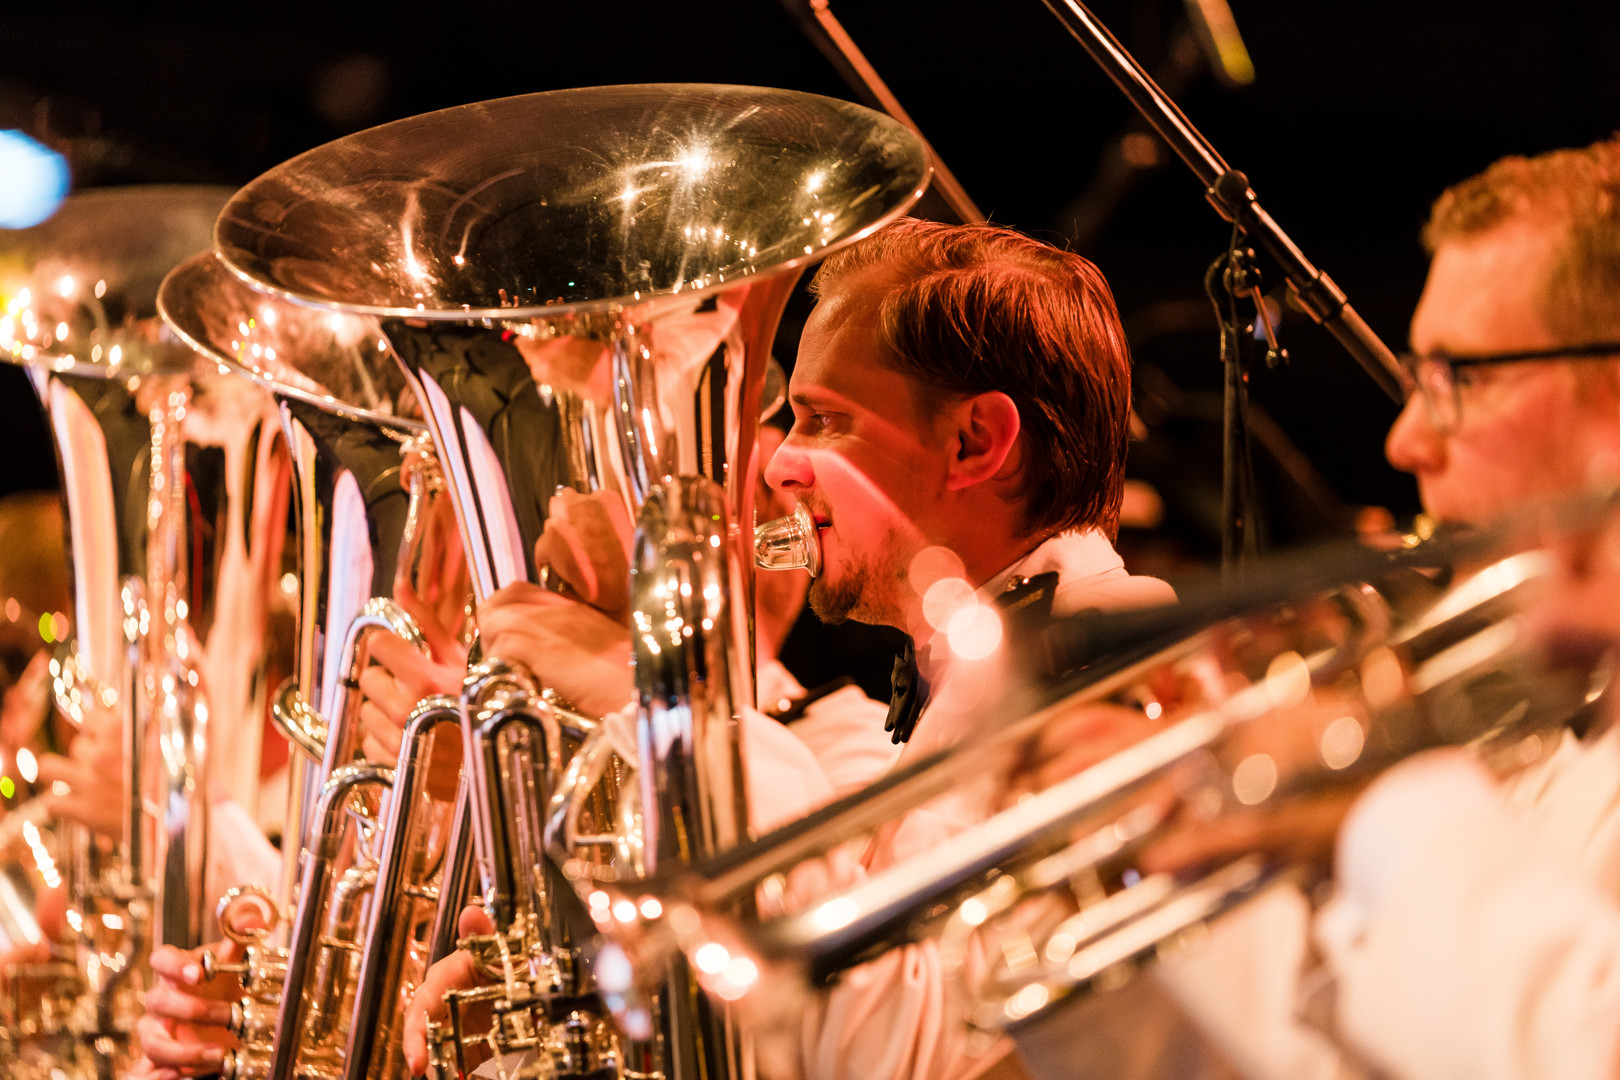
33, 180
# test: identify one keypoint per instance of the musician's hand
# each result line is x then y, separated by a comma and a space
1296, 831
1080, 739
1577, 615
455, 972
572, 647
183, 1030
87, 784
586, 543
23, 709
400, 677
1288, 790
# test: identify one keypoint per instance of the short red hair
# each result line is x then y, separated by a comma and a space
981, 308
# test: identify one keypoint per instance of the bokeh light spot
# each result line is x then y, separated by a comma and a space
33, 181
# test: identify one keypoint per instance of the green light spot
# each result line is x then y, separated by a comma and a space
7, 788
45, 631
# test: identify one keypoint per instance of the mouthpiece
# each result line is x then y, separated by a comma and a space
788, 543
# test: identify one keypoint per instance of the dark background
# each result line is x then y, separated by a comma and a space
1359, 115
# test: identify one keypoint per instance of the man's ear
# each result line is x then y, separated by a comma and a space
984, 438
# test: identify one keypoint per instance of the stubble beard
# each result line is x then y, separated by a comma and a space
862, 590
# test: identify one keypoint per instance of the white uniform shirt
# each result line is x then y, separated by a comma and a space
900, 1016
1478, 931
1475, 934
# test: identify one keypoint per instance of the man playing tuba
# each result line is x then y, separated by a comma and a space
960, 406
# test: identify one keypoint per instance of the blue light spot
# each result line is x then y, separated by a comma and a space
33, 181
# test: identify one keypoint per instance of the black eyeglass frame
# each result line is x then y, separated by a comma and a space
1414, 364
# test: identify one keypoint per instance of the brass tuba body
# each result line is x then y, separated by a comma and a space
175, 493
583, 286
373, 547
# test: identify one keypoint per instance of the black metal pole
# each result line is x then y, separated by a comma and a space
821, 26
1229, 192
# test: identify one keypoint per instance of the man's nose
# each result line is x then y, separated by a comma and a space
789, 467
1413, 444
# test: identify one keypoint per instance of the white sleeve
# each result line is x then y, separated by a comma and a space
1462, 950
902, 1016
1240, 985
785, 781
844, 730
238, 853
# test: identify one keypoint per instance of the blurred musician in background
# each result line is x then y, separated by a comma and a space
960, 417
33, 589
1476, 926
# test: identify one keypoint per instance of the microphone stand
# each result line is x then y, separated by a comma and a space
1229, 192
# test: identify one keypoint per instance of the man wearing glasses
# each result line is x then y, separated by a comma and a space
1515, 336
1476, 931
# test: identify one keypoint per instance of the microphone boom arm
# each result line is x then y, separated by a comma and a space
1229, 193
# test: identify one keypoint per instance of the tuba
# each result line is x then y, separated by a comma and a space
1310, 692
175, 494
582, 287
335, 950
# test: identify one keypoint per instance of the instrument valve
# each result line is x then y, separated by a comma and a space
254, 1022
213, 966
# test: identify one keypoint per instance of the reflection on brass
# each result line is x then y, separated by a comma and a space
582, 287
377, 554
1245, 712
172, 478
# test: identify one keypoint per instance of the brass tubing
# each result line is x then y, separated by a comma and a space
325, 844
374, 1020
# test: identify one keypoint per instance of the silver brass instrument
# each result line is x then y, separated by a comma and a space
1251, 710
175, 491
371, 854
583, 286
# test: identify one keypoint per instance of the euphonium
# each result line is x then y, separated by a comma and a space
175, 494
1300, 697
583, 286
374, 840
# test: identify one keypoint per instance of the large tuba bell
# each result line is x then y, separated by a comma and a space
1046, 897
176, 494
376, 545
583, 287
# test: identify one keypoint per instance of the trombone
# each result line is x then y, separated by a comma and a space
1046, 896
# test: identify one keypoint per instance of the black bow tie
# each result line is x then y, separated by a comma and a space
1025, 606
909, 696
